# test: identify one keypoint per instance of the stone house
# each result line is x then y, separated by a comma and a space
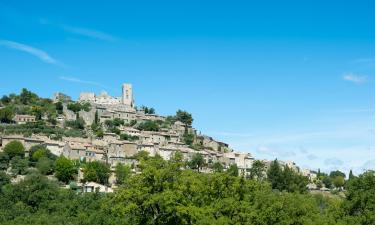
22, 119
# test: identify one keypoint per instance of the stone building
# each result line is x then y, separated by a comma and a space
105, 99
22, 119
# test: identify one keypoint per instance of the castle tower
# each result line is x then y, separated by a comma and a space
127, 95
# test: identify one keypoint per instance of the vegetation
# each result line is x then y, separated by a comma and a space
184, 117
41, 128
164, 193
77, 107
65, 169
149, 126
122, 173
6, 115
28, 103
148, 110
128, 137
14, 148
286, 179
96, 171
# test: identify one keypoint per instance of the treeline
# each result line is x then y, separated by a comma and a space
164, 193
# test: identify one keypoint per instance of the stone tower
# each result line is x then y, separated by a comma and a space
127, 95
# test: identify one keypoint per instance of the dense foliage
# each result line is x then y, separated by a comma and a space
166, 194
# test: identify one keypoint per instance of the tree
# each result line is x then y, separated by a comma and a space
19, 165
44, 165
149, 126
274, 175
6, 115
64, 169
217, 167
5, 100
151, 111
361, 198
27, 97
96, 171
122, 173
337, 173
196, 162
184, 117
14, 148
327, 181
339, 181
257, 170
188, 138
351, 175
233, 170
4, 161
59, 107
37, 111
96, 118
4, 179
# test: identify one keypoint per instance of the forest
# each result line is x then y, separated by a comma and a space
164, 192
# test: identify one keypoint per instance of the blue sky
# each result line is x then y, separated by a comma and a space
292, 80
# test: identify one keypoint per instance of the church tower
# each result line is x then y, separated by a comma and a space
127, 95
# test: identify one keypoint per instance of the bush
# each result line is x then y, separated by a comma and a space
149, 126
14, 148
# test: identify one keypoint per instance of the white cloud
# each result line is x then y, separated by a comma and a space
312, 157
83, 31
355, 78
77, 80
232, 134
369, 165
264, 150
333, 162
95, 34
42, 55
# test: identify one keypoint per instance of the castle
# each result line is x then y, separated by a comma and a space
104, 99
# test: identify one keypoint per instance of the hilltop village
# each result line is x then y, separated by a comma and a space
113, 130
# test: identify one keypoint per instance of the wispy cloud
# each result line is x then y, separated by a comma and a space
264, 150
95, 34
77, 80
42, 55
333, 162
82, 31
232, 134
355, 78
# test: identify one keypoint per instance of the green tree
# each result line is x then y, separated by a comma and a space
360, 198
59, 107
337, 173
4, 161
37, 111
4, 179
327, 181
65, 169
6, 115
339, 181
96, 171
233, 170
96, 118
44, 165
217, 167
275, 175
196, 162
257, 171
19, 165
122, 173
351, 175
188, 138
149, 126
184, 117
14, 148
